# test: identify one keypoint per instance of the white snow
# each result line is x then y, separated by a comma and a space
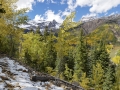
24, 26
19, 80
57, 26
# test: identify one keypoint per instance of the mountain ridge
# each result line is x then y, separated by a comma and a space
88, 26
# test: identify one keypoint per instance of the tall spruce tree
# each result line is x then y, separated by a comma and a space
103, 55
109, 78
81, 57
100, 55
50, 56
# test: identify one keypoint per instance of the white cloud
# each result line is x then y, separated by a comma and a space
62, 2
71, 5
66, 12
50, 16
48, 1
113, 13
41, 1
90, 16
96, 6
52, 1
38, 17
25, 4
101, 6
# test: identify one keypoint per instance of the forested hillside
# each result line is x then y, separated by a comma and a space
72, 55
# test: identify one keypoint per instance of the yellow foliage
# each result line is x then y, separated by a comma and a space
33, 46
109, 48
75, 77
101, 33
98, 75
84, 81
50, 71
116, 59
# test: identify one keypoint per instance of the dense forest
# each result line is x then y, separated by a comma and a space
70, 55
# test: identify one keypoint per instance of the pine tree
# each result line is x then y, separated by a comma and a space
69, 60
46, 33
109, 78
117, 75
101, 55
38, 31
81, 57
50, 56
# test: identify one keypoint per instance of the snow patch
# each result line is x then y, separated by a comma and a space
19, 80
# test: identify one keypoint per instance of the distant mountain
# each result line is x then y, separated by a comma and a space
92, 23
88, 25
33, 25
100, 27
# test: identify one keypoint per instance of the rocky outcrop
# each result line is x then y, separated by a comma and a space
14, 76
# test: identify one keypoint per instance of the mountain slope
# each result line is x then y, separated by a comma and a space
91, 25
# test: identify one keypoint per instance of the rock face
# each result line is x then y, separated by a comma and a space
33, 25
91, 25
14, 76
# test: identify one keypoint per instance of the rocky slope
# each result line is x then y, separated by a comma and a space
90, 25
14, 76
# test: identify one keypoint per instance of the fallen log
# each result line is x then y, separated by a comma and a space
57, 81
41, 78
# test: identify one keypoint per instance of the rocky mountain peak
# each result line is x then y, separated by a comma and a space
42, 24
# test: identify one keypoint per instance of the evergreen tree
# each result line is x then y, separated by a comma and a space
81, 57
101, 55
50, 56
46, 33
117, 78
70, 60
109, 78
38, 31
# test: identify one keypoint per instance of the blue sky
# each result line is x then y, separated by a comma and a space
58, 9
